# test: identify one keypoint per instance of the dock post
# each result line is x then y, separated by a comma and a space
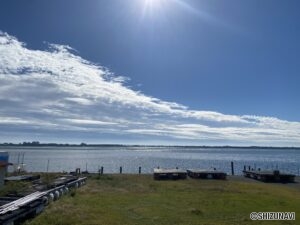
232, 169
48, 165
140, 170
249, 168
120, 169
244, 168
101, 170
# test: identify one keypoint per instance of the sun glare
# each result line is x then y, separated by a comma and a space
152, 5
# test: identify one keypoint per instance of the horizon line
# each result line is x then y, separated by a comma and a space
83, 144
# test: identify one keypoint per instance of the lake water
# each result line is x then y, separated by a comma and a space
130, 158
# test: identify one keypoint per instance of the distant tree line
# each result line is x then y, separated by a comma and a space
37, 143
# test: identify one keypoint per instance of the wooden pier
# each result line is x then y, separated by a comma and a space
26, 177
18, 210
206, 174
169, 174
269, 176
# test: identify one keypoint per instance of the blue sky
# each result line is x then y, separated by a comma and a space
180, 71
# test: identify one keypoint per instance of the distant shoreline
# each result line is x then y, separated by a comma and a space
38, 144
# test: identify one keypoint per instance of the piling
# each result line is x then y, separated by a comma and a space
232, 169
121, 169
101, 170
77, 171
48, 165
140, 170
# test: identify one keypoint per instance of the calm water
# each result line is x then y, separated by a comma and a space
130, 158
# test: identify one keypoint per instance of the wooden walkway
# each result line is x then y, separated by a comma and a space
206, 174
169, 174
175, 174
28, 206
269, 176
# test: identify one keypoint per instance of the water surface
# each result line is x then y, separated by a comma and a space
130, 158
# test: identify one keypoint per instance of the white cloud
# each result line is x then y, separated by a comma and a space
45, 91
87, 122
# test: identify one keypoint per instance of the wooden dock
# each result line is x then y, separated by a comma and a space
206, 174
26, 177
18, 210
169, 174
269, 176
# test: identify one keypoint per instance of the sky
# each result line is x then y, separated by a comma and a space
174, 72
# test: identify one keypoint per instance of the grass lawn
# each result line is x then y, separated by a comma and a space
138, 199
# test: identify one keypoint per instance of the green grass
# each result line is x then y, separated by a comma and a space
15, 188
138, 199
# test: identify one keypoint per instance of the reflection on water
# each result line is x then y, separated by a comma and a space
130, 158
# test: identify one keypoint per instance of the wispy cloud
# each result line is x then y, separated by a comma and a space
46, 91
